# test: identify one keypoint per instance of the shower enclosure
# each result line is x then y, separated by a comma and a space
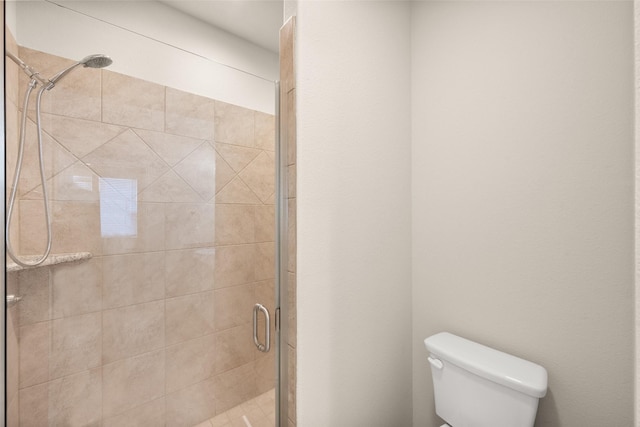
158, 302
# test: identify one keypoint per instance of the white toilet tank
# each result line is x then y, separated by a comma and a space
477, 386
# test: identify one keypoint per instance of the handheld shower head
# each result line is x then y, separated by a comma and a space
91, 61
96, 61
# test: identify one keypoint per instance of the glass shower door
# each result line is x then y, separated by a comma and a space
163, 220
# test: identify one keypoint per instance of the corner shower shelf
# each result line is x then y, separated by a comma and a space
51, 260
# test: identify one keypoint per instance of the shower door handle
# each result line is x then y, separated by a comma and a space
13, 300
267, 328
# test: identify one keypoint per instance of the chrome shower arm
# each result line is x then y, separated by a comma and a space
33, 74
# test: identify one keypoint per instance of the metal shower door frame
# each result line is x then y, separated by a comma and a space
3, 280
281, 315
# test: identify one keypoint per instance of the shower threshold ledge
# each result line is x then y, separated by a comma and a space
54, 259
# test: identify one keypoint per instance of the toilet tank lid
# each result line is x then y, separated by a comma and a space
502, 368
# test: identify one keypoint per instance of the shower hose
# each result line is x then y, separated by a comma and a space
16, 179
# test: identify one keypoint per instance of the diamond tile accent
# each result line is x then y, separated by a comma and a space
237, 157
169, 188
199, 170
171, 148
127, 157
77, 182
260, 176
79, 136
224, 173
237, 192
56, 158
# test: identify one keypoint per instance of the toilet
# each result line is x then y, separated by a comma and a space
478, 386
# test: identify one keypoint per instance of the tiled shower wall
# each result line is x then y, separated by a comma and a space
289, 141
173, 194
12, 347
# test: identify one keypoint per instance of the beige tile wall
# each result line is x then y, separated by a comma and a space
12, 355
156, 327
288, 120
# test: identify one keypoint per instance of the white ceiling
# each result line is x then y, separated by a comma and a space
255, 20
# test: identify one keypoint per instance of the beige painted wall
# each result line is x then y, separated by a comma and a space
44, 26
522, 181
353, 214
